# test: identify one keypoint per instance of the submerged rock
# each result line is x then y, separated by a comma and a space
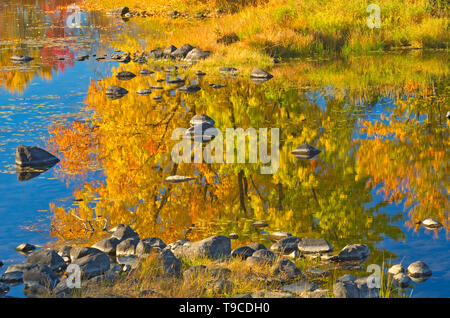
146, 72
144, 91
202, 133
217, 86
125, 75
278, 235
40, 275
189, 88
32, 156
305, 151
115, 92
259, 224
177, 80
308, 245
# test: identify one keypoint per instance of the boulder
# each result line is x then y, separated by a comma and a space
47, 257
286, 245
32, 156
396, 269
171, 264
201, 119
353, 252
212, 247
305, 151
309, 245
299, 288
260, 73
278, 235
401, 279
79, 252
266, 256
144, 91
107, 245
41, 275
169, 50
189, 88
242, 252
125, 75
123, 232
197, 54
257, 246
114, 92
419, 270
25, 248
127, 247
93, 264
346, 289
287, 269
145, 246
182, 51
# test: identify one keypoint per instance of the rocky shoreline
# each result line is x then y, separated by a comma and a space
49, 272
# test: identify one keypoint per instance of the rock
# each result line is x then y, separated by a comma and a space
233, 236
364, 290
150, 242
419, 270
201, 119
47, 257
255, 261
146, 72
317, 272
182, 52
169, 50
286, 268
299, 287
107, 245
61, 289
178, 179
259, 224
36, 291
295, 254
396, 269
157, 97
21, 58
202, 133
346, 278
286, 245
317, 293
401, 279
257, 246
125, 75
212, 247
222, 287
171, 264
219, 272
144, 91
18, 268
25, 248
79, 252
189, 89
346, 289
32, 156
4, 289
131, 261
200, 73
140, 60
431, 224
217, 86
305, 151
93, 264
448, 115
197, 54
266, 256
40, 275
114, 92
228, 70
12, 277
156, 54
119, 11
260, 73
278, 235
127, 247
308, 245
123, 232
177, 80
242, 252
64, 252
156, 87
354, 252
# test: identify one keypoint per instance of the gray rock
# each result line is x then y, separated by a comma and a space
242, 252
15, 277
25, 248
178, 179
169, 50
156, 53
286, 245
36, 291
270, 294
200, 73
308, 245
305, 151
119, 11
114, 92
448, 115
396, 269
259, 224
317, 293
299, 287
127, 247
146, 72
213, 247
157, 97
171, 264
125, 75
401, 279
32, 156
228, 70
123, 232
219, 272
201, 133
21, 58
346, 278
41, 275
419, 270
194, 272
260, 73
93, 264
144, 91
79, 252
354, 252
279, 235
286, 268
107, 245
197, 54
346, 289
266, 255
255, 261
182, 51
47, 257
217, 86
132, 261
177, 80
64, 252
317, 272
146, 246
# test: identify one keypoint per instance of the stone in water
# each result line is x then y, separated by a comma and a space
178, 179
305, 151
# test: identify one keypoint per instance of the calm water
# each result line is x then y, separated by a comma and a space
379, 121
